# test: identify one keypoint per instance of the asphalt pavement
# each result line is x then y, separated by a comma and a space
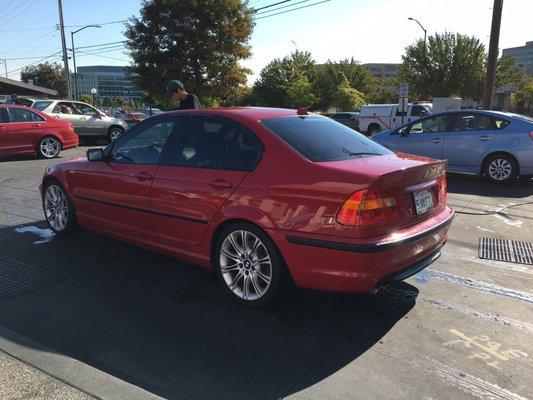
106, 319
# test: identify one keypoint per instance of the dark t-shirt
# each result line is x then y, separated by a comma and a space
190, 102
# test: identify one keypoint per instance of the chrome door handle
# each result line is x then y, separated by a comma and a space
438, 140
485, 138
143, 176
221, 183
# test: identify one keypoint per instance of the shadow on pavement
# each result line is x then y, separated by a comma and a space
165, 326
479, 186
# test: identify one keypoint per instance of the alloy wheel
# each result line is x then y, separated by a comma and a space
115, 134
245, 265
50, 147
500, 169
56, 207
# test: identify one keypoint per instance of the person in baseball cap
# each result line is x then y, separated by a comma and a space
176, 91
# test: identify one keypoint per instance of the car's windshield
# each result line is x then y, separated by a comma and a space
41, 105
323, 139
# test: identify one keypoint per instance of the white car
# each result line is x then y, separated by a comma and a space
89, 123
375, 118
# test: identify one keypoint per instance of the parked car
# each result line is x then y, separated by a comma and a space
27, 131
152, 111
256, 194
134, 117
20, 101
496, 144
375, 118
350, 119
89, 123
119, 113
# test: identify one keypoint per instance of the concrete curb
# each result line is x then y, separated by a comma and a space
72, 372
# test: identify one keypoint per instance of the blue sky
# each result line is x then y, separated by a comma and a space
368, 30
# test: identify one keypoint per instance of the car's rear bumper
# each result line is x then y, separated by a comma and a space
327, 263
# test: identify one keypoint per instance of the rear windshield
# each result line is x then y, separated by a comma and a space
323, 139
41, 105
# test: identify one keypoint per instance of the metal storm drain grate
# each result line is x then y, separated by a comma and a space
17, 279
506, 250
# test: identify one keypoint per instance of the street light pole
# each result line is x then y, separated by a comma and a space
425, 45
74, 57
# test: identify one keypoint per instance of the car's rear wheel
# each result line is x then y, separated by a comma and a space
373, 129
501, 168
48, 147
248, 264
58, 209
114, 133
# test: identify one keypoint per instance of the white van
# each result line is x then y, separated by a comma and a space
375, 118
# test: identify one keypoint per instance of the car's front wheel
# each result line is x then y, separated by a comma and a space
58, 209
114, 133
248, 264
48, 147
501, 168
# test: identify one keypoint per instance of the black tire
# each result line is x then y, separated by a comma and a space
114, 133
373, 129
71, 224
48, 147
277, 266
500, 168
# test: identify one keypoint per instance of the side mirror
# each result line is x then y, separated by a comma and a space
95, 155
97, 115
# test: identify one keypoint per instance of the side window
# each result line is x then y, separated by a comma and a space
3, 116
211, 142
430, 125
41, 105
84, 109
22, 115
499, 123
64, 107
419, 111
145, 145
472, 122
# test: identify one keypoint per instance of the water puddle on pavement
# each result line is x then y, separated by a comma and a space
45, 235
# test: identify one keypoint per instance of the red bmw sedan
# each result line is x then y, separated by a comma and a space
28, 131
259, 194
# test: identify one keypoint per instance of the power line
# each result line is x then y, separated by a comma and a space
30, 41
281, 7
34, 63
14, 9
292, 9
16, 15
99, 45
272, 5
7, 5
29, 29
110, 58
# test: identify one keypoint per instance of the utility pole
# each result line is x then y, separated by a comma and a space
493, 53
64, 45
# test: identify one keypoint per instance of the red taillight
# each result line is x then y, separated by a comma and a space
367, 207
531, 135
443, 189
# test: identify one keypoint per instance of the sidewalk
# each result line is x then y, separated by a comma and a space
20, 381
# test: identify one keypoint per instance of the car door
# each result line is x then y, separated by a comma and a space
24, 128
93, 123
468, 141
425, 137
116, 190
3, 131
210, 158
65, 110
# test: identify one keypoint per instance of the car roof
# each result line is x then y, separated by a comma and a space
16, 106
254, 113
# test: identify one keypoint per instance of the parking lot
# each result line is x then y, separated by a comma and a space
157, 326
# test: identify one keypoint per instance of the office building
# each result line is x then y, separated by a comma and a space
109, 80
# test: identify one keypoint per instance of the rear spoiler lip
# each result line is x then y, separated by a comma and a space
435, 168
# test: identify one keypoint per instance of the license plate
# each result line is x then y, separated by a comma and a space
423, 201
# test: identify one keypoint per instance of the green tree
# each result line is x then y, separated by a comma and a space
199, 43
86, 98
300, 93
346, 98
452, 65
508, 73
332, 75
275, 80
48, 75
